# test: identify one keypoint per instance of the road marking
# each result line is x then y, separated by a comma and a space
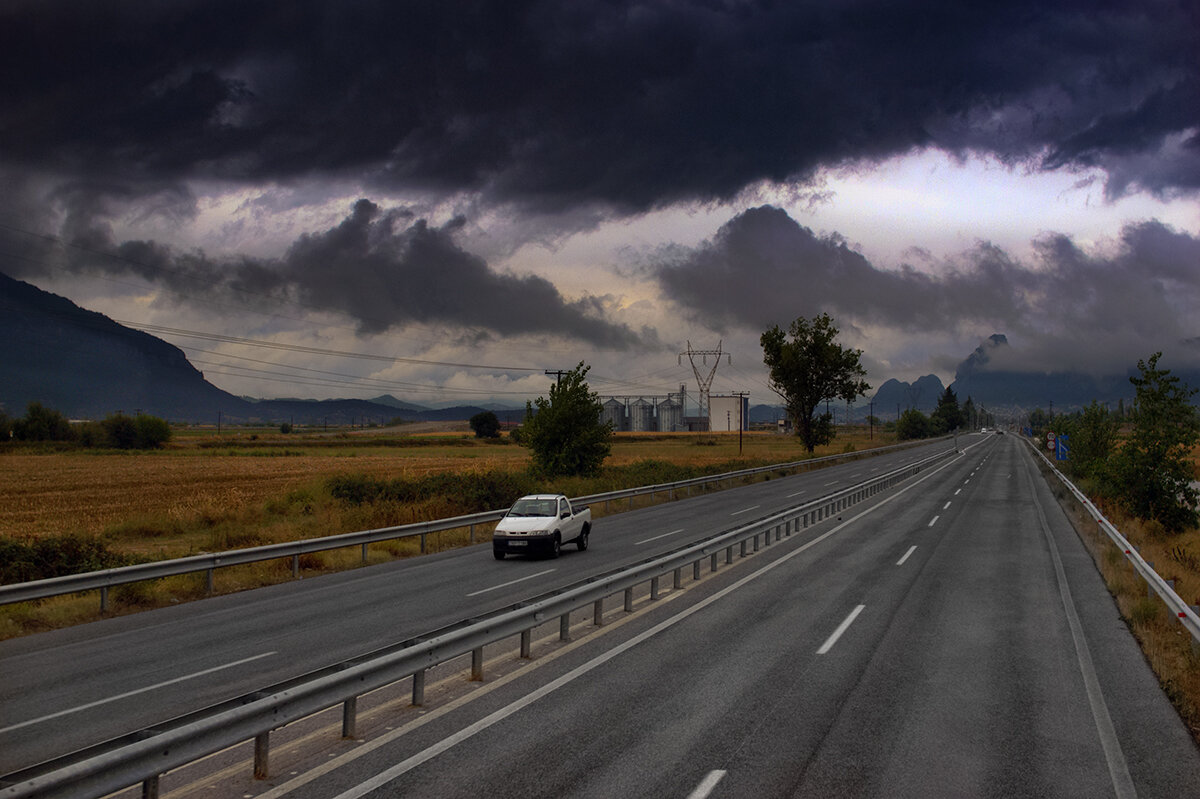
655, 538
933, 521
1114, 756
957, 492
744, 510
911, 550
845, 625
707, 784
797, 494
947, 505
833, 483
510, 582
503, 713
128, 694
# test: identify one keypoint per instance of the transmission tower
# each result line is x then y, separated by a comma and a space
704, 381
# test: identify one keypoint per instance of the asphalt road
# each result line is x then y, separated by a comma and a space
949, 638
64, 690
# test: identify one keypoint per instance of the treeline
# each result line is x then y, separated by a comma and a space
947, 417
1140, 458
117, 431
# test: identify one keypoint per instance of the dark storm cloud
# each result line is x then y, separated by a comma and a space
1095, 310
632, 105
382, 268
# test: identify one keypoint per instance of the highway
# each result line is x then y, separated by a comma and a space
64, 690
949, 637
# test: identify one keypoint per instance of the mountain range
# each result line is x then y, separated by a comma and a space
87, 366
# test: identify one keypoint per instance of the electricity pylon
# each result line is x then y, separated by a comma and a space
704, 382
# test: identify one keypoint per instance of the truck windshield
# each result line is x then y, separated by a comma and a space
533, 507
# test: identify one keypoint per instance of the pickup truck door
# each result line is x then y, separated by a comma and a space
569, 525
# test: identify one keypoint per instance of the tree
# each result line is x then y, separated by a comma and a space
947, 416
485, 424
809, 369
913, 424
1093, 435
1151, 472
42, 424
565, 434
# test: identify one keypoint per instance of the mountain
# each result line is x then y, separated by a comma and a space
895, 396
87, 366
997, 388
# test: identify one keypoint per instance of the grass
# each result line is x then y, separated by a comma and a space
208, 493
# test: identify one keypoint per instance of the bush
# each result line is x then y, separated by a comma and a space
42, 424
485, 424
54, 556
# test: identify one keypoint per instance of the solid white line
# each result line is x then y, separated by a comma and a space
744, 510
1114, 756
911, 550
933, 521
825, 647
510, 582
946, 506
128, 694
707, 784
655, 538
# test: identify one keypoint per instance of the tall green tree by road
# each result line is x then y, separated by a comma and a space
807, 366
947, 417
1151, 471
565, 435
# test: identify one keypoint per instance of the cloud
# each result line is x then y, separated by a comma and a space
1093, 310
556, 106
382, 268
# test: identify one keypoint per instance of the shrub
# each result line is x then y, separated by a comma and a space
54, 556
42, 424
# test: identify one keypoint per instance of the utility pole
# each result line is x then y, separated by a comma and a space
557, 373
741, 395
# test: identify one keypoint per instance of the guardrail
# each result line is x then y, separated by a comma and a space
105, 579
154, 752
1187, 614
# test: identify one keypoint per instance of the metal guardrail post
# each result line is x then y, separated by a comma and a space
350, 717
150, 788
364, 552
696, 570
477, 664
653, 588
629, 600
728, 555
564, 627
262, 755
598, 612
295, 566
208, 582
678, 579
526, 644
418, 688
104, 599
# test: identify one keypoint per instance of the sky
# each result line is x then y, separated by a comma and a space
443, 201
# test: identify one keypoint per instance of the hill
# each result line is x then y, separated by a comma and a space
87, 366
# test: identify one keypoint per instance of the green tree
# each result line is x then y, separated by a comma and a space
947, 416
810, 368
564, 434
485, 424
1093, 436
42, 424
970, 415
1151, 471
913, 424
153, 432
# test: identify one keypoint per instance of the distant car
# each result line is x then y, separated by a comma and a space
983, 430
999, 432
541, 523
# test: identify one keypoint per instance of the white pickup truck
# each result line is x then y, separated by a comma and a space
541, 523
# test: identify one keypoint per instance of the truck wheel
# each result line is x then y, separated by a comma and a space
497, 554
556, 548
581, 542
